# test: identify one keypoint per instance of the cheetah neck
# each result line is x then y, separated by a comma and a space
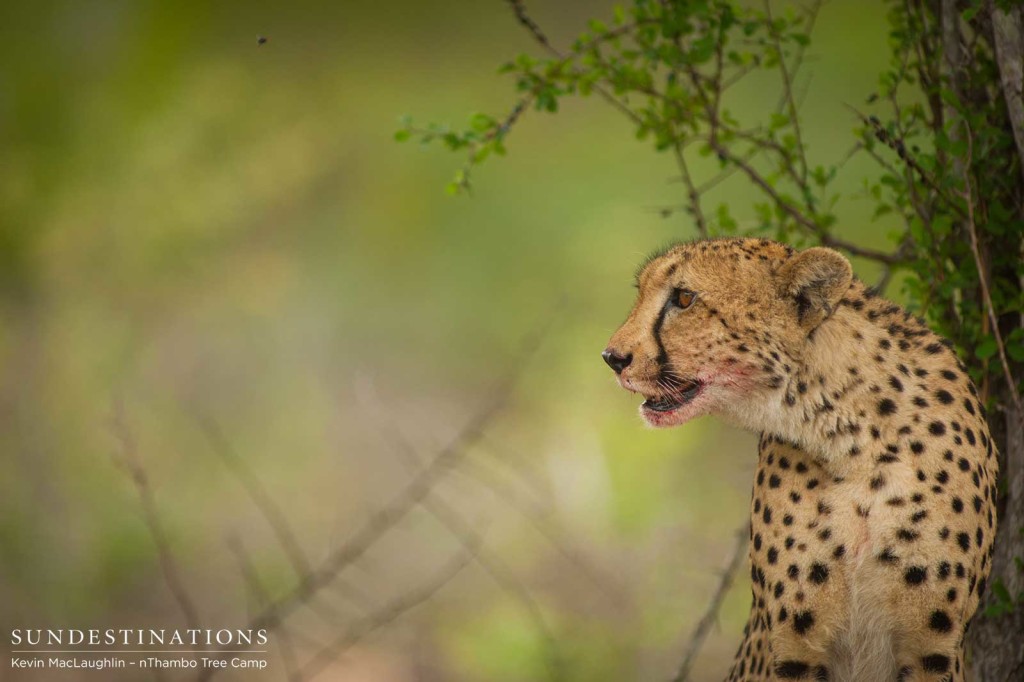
858, 369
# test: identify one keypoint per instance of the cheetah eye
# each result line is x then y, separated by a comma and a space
685, 298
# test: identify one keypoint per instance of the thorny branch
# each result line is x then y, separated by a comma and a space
469, 537
742, 163
787, 92
519, 9
257, 493
710, 616
556, 536
899, 146
387, 517
825, 237
382, 617
693, 195
983, 282
471, 468
260, 598
270, 511
130, 462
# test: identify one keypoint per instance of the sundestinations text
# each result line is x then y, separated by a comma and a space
137, 637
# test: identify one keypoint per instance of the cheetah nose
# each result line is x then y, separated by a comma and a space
615, 361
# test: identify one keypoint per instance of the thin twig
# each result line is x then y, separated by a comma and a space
904, 248
691, 191
555, 534
130, 462
503, 576
983, 280
826, 238
519, 9
471, 468
276, 518
710, 616
401, 504
810, 20
899, 146
259, 595
787, 94
470, 538
375, 621
498, 131
256, 491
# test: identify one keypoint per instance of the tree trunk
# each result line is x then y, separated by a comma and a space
1009, 47
997, 642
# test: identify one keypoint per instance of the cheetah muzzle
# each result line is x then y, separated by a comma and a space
677, 393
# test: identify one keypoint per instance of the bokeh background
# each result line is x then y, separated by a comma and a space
197, 229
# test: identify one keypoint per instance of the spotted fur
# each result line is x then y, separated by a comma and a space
872, 514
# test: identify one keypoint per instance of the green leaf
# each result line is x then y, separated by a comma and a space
1000, 592
970, 12
482, 123
986, 349
778, 121
1015, 351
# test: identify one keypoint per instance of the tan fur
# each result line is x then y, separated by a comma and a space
873, 505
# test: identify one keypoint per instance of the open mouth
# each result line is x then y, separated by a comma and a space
681, 394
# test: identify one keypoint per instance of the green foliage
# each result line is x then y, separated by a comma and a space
943, 142
959, 174
483, 136
942, 136
938, 128
1003, 602
669, 67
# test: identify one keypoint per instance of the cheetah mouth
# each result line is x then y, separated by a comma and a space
681, 394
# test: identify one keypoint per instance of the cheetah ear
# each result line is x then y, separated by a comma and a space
815, 280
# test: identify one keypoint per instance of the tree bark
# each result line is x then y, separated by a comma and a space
1009, 48
996, 643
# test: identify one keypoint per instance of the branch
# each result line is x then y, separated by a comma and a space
256, 492
470, 538
691, 191
826, 238
272, 513
899, 146
400, 505
555, 534
259, 595
373, 622
519, 9
470, 468
983, 281
952, 61
864, 252
906, 244
131, 464
787, 90
711, 613
498, 131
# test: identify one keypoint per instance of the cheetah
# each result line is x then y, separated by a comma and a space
873, 505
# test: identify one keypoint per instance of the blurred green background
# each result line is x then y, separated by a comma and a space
195, 224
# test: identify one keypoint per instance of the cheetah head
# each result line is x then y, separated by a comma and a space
718, 324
